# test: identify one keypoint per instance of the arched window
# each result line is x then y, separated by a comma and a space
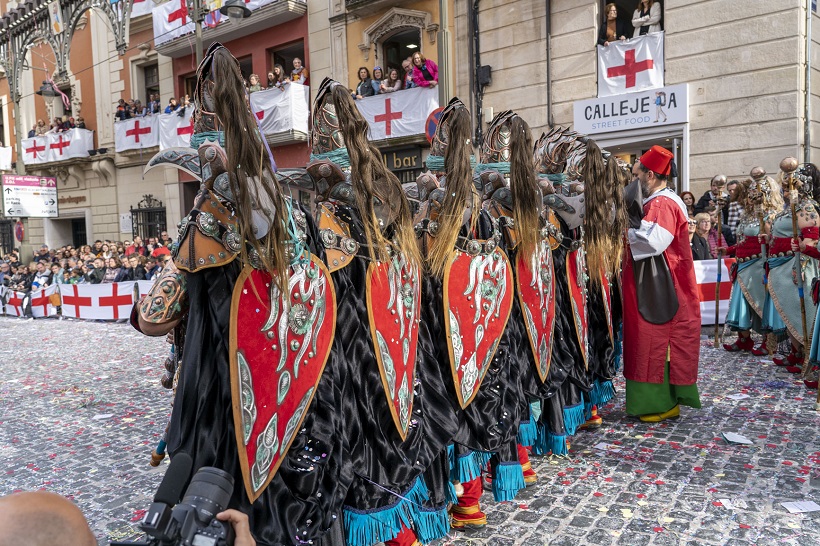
397, 35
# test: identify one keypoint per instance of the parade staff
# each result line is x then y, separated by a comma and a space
661, 306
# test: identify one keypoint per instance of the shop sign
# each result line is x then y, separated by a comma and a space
651, 108
403, 159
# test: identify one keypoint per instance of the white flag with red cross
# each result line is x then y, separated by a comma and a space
398, 114
141, 7
14, 303
42, 301
136, 133
69, 144
35, 150
171, 21
632, 65
706, 275
280, 110
174, 130
109, 301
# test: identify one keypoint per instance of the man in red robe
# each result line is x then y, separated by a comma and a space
661, 318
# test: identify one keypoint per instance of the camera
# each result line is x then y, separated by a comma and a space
191, 522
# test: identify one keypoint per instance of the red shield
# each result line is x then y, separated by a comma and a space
536, 294
477, 303
576, 278
394, 307
279, 347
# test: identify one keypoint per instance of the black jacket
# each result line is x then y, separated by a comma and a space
620, 30
700, 248
365, 88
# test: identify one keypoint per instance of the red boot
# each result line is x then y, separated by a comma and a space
795, 358
406, 537
762, 350
530, 477
740, 344
467, 513
594, 421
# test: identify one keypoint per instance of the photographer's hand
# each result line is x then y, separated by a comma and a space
241, 527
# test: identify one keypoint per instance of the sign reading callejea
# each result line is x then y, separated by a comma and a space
650, 108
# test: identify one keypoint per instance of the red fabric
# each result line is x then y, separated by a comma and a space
578, 298
812, 252
780, 244
810, 233
731, 251
160, 251
523, 455
645, 344
418, 76
135, 250
658, 159
535, 296
749, 247
472, 492
406, 537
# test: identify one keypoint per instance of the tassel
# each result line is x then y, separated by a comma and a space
466, 468
431, 523
527, 433
508, 480
367, 527
548, 443
452, 496
602, 392
574, 418
483, 458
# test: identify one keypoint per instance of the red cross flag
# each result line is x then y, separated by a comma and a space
34, 150
633, 65
398, 114
136, 133
281, 110
141, 7
171, 21
14, 303
176, 131
706, 272
42, 302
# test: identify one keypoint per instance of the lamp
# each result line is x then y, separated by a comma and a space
48, 92
235, 9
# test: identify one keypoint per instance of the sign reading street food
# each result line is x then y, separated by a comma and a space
650, 108
30, 196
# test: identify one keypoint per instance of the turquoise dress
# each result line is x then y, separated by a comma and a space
784, 299
748, 291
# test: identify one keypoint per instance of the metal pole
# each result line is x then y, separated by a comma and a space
721, 182
445, 72
18, 138
198, 18
807, 112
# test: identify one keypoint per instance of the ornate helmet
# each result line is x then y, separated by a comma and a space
325, 134
496, 146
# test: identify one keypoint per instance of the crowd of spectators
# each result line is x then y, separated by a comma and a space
134, 108
102, 262
646, 19
278, 78
59, 125
416, 71
703, 220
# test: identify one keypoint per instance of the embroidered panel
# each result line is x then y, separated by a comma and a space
394, 309
280, 344
577, 281
536, 293
477, 305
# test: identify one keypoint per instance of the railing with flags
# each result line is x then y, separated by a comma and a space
171, 19
163, 130
398, 114
632, 65
58, 146
111, 301
282, 110
706, 275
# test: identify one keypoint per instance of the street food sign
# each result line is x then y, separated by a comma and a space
650, 108
29, 196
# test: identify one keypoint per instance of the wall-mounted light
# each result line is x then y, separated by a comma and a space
412, 46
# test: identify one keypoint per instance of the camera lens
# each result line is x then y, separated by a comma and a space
209, 492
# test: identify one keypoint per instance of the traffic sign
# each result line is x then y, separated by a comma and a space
30, 196
431, 124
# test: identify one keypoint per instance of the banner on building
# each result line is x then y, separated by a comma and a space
631, 65
649, 108
141, 7
398, 114
171, 21
5, 158
136, 133
57, 146
281, 110
706, 272
174, 130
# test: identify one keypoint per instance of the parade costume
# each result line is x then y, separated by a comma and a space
276, 429
660, 365
405, 418
468, 295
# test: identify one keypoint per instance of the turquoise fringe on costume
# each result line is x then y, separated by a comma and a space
619, 352
546, 442
452, 498
463, 468
527, 430
436, 163
214, 136
431, 523
508, 480
339, 156
602, 392
482, 458
574, 418
502, 167
367, 527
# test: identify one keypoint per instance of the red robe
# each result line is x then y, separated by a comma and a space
663, 230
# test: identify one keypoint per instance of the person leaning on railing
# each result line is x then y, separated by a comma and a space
647, 18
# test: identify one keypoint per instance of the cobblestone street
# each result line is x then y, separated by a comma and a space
81, 408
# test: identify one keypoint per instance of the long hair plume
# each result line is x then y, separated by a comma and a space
526, 193
253, 181
602, 200
460, 191
372, 179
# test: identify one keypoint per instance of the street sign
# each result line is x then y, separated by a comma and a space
29, 196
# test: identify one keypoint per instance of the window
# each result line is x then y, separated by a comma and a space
398, 47
151, 81
246, 67
284, 56
626, 8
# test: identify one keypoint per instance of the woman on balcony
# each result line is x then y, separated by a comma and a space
425, 71
647, 18
392, 82
612, 28
365, 87
378, 76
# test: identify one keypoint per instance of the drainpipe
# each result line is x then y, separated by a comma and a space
807, 112
478, 88
445, 73
550, 121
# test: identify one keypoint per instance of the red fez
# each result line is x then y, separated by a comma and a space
658, 159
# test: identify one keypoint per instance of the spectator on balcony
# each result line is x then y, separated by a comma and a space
647, 18
122, 113
612, 28
378, 76
407, 66
41, 128
277, 78
33, 132
56, 126
154, 105
299, 74
392, 82
425, 71
80, 122
254, 84
173, 106
365, 87
71, 123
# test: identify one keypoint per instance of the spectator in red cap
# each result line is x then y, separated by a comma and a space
660, 298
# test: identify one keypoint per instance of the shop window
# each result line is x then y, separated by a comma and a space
284, 56
626, 8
